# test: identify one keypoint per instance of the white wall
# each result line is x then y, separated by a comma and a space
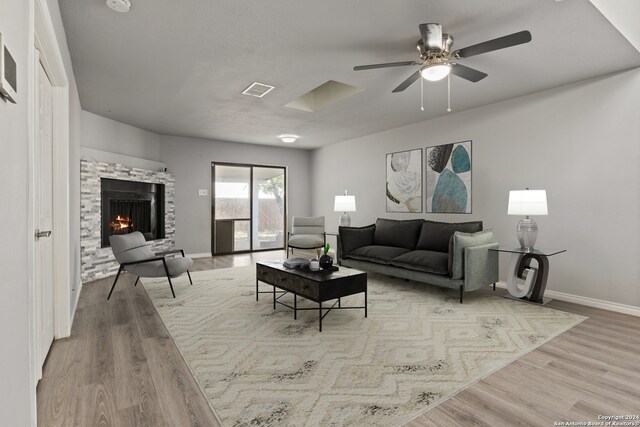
190, 160
74, 155
579, 142
109, 157
18, 396
104, 134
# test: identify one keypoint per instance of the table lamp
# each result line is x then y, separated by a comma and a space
527, 202
345, 204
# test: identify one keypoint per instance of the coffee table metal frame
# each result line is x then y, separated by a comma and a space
310, 285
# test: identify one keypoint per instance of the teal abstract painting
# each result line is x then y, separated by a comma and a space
448, 178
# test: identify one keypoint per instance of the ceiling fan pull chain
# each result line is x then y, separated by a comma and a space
421, 94
449, 93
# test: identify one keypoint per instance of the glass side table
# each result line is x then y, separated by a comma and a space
535, 278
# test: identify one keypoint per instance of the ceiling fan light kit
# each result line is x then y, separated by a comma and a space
435, 72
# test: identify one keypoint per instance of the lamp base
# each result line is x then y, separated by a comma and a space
345, 220
527, 233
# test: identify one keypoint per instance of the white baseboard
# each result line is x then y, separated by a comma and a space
589, 302
202, 255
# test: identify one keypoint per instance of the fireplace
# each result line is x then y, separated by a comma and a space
129, 206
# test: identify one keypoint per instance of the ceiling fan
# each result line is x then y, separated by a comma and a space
437, 60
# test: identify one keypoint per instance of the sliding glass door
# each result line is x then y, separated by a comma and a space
249, 208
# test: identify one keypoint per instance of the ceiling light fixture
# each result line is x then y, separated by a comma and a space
288, 138
119, 5
435, 72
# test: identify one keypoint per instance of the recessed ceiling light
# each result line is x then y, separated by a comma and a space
258, 89
119, 5
288, 138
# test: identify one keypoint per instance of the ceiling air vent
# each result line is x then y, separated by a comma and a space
257, 89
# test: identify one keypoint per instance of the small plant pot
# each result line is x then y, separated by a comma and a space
326, 261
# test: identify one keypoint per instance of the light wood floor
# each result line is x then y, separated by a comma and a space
121, 368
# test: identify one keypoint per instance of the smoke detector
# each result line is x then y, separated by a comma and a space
119, 5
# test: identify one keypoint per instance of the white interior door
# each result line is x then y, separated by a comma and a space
43, 218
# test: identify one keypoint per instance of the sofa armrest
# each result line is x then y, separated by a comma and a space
350, 238
480, 266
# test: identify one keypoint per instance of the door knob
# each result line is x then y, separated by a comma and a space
40, 234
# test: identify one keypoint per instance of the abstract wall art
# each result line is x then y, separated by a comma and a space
404, 181
449, 178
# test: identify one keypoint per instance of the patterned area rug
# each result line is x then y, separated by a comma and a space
419, 346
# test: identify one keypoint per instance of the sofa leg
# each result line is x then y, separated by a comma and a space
494, 286
461, 292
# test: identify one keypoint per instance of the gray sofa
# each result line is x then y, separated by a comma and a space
450, 255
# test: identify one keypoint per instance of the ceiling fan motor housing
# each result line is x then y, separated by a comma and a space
443, 51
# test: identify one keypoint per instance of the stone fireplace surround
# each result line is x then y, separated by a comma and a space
98, 262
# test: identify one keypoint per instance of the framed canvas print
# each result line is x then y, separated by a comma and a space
449, 178
404, 181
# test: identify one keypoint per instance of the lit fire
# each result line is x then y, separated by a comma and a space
121, 225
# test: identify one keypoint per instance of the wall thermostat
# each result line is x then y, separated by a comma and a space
8, 73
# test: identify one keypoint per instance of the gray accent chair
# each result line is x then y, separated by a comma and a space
306, 233
134, 256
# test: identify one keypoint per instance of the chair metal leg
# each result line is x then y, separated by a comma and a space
166, 270
114, 283
137, 280
190, 281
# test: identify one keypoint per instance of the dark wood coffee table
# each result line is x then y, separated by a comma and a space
317, 286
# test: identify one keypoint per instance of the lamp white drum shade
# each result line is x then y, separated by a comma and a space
345, 204
527, 202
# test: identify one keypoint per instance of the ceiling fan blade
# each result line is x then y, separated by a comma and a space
495, 44
467, 73
385, 65
405, 84
431, 36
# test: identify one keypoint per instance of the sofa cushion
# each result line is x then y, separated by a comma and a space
377, 254
460, 241
355, 237
420, 260
435, 236
397, 233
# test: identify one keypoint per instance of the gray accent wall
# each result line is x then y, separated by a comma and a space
580, 142
190, 160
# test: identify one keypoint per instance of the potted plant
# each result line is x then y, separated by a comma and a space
325, 260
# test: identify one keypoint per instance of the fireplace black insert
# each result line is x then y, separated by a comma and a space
129, 206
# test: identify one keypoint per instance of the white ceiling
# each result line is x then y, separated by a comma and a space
178, 67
